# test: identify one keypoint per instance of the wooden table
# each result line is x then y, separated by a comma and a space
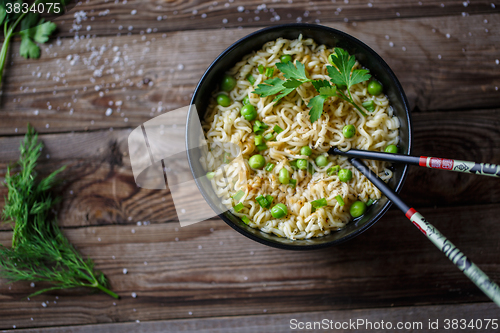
143, 58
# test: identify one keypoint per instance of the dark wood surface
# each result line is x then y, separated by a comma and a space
207, 277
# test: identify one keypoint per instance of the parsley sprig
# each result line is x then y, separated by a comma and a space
342, 76
32, 29
40, 251
295, 75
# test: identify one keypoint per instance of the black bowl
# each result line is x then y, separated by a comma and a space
322, 35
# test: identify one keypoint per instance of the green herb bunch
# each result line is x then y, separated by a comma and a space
24, 21
40, 251
342, 77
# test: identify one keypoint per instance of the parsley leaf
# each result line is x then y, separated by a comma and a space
30, 20
269, 87
318, 84
292, 83
296, 75
43, 31
291, 72
344, 75
28, 48
317, 102
283, 94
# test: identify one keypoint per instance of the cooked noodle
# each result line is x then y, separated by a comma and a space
226, 129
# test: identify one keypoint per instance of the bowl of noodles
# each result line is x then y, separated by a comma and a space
271, 106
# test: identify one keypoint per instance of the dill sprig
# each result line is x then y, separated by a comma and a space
40, 252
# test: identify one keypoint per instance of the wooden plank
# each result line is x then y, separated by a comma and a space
209, 270
414, 316
105, 17
99, 187
75, 82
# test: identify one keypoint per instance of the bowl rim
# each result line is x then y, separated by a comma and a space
399, 90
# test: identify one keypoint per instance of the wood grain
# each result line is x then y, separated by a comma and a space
99, 187
278, 323
210, 270
75, 82
106, 17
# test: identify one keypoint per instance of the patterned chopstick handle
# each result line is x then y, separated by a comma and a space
485, 169
463, 263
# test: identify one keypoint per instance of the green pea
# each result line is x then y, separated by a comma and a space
286, 58
349, 131
246, 100
321, 161
357, 209
223, 100
279, 211
306, 150
345, 175
248, 112
257, 161
284, 176
302, 164
391, 149
228, 83
374, 87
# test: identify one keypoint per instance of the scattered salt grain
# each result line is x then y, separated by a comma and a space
109, 111
125, 271
134, 295
32, 284
133, 231
44, 304
133, 12
497, 61
448, 35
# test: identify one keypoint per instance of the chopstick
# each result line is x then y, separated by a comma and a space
463, 263
485, 169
